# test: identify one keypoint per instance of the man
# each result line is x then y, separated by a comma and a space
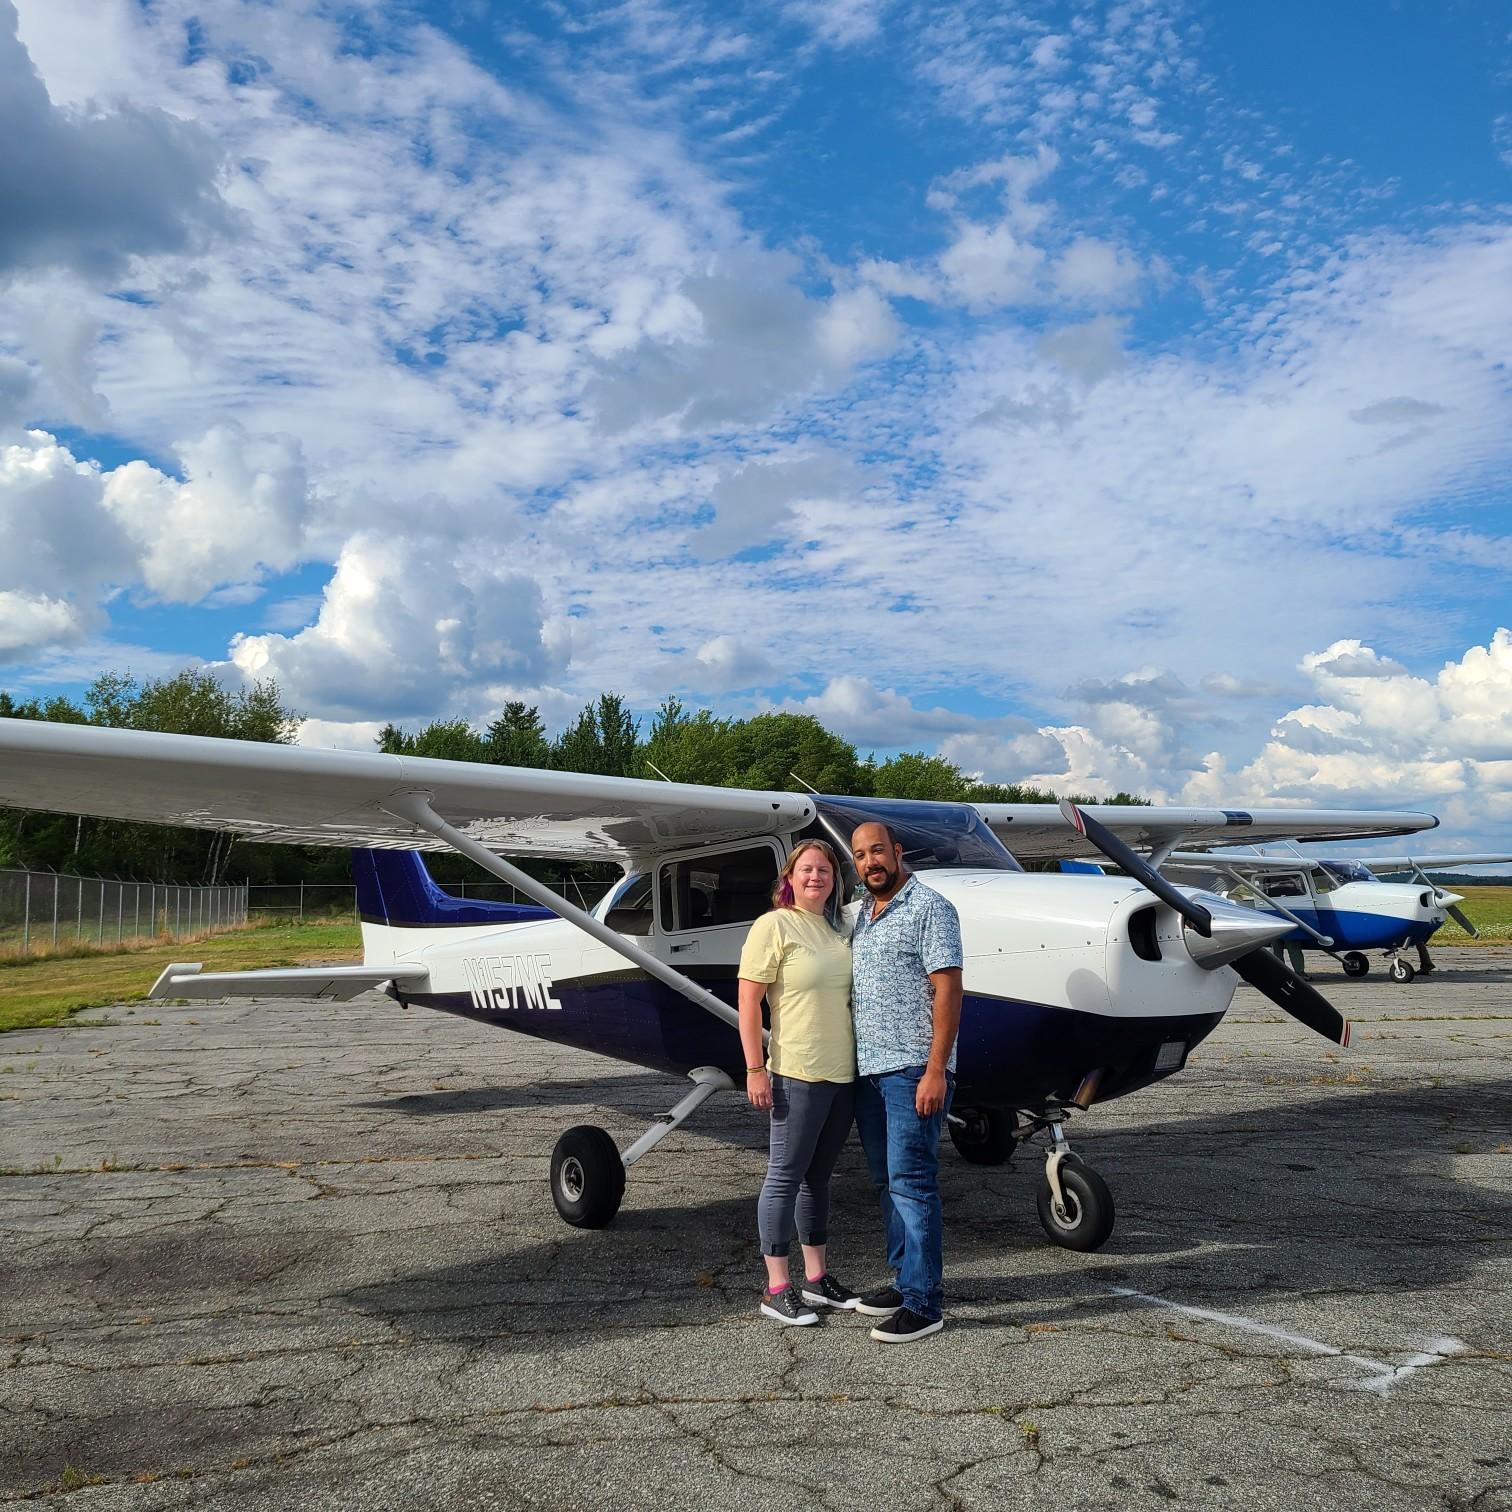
906, 999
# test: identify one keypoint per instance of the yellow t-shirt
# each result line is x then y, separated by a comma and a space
807, 969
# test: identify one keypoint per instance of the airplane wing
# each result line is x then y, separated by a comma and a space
1428, 863
1039, 832
1206, 860
295, 795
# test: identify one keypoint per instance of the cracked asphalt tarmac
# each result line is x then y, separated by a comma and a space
265, 1256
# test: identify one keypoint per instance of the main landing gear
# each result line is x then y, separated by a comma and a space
588, 1170
1355, 962
1075, 1205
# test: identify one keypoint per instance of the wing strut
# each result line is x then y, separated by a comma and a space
416, 808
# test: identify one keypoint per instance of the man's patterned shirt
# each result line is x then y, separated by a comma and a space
892, 997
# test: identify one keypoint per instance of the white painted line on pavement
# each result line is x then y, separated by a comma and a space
1382, 1376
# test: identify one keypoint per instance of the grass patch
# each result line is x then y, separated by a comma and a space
1490, 910
48, 991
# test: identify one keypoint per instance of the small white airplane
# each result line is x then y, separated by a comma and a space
1339, 904
1077, 988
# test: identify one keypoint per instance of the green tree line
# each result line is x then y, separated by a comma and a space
775, 751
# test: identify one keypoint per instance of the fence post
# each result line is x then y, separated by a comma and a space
301, 900
26, 919
120, 909
55, 910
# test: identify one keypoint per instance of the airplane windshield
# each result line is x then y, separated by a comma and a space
931, 834
1348, 871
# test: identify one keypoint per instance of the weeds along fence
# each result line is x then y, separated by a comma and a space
338, 900
49, 911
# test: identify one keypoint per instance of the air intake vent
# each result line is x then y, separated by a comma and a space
1142, 934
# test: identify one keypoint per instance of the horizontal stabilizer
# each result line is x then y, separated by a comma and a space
185, 979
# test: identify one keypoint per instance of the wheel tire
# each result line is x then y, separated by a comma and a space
1402, 971
587, 1177
985, 1136
1089, 1208
1356, 964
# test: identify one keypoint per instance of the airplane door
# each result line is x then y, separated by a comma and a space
706, 902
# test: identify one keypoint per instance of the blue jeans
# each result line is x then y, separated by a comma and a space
903, 1154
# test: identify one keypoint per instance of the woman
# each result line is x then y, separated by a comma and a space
798, 957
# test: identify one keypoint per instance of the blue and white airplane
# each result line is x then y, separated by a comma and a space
1339, 904
1076, 988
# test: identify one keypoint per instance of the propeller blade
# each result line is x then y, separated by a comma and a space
1137, 867
1292, 995
1460, 917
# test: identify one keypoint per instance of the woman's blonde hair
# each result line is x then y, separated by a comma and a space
782, 894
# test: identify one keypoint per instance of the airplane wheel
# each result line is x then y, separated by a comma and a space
1402, 971
587, 1177
1088, 1218
1356, 964
985, 1136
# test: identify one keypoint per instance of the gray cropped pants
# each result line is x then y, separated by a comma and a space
810, 1123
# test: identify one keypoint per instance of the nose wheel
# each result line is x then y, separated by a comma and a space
1075, 1205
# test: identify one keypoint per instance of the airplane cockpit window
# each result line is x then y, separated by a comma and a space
706, 891
1349, 871
630, 913
931, 834
1284, 886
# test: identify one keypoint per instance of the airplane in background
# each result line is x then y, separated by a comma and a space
1076, 988
1336, 904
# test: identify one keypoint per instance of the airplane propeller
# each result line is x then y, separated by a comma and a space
1461, 918
1256, 965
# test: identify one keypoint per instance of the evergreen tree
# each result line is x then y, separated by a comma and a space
602, 740
518, 737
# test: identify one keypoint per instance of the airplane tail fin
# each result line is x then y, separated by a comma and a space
395, 889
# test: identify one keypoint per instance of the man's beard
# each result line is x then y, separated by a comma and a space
888, 882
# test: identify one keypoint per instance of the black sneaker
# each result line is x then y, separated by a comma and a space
905, 1326
828, 1292
788, 1307
882, 1303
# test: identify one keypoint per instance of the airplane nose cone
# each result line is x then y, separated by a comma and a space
1449, 899
1236, 931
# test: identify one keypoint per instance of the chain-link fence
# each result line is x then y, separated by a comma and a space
48, 911
338, 900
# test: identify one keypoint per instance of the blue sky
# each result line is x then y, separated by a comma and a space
1105, 395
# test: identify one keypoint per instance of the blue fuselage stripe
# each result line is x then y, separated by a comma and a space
1354, 930
1010, 1052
